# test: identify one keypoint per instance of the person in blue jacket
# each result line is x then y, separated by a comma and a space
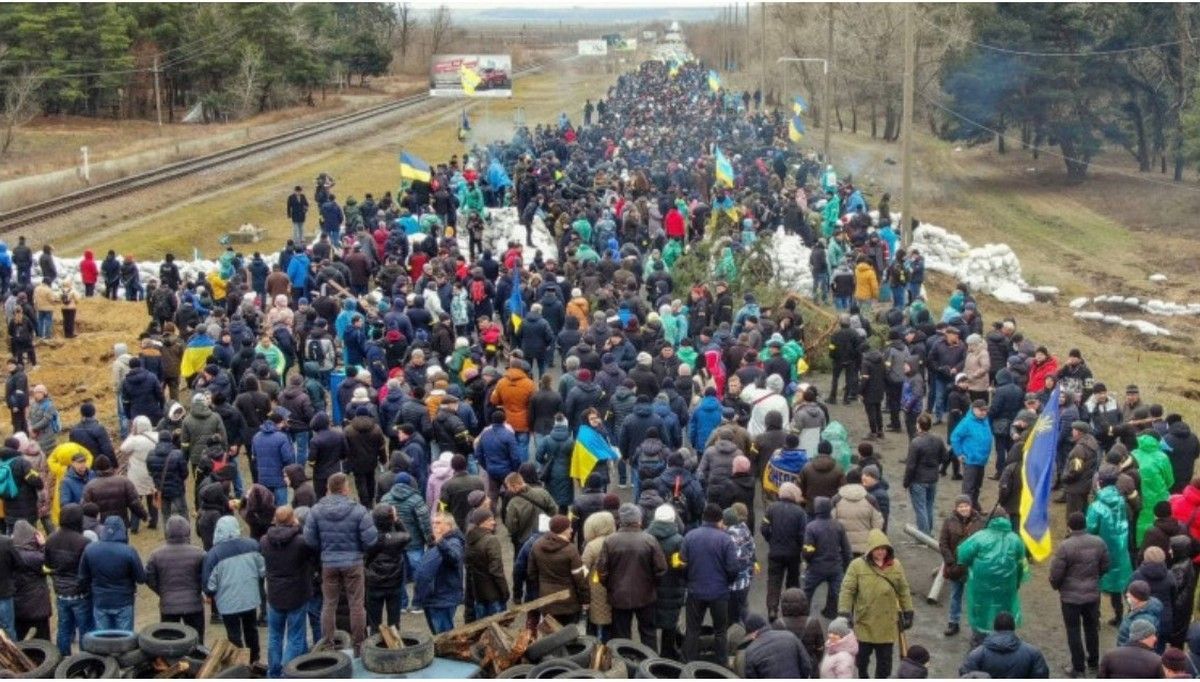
497, 452
711, 562
297, 272
332, 219
272, 452
439, 578
705, 419
972, 443
230, 575
111, 570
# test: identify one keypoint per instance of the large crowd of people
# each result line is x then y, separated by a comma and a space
405, 398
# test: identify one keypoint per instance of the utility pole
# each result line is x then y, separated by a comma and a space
733, 46
157, 97
827, 100
906, 216
762, 50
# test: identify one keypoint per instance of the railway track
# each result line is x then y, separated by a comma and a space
65, 203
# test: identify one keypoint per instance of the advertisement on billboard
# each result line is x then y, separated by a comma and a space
627, 45
471, 75
593, 48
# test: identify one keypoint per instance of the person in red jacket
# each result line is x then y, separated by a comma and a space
674, 224
1044, 365
89, 272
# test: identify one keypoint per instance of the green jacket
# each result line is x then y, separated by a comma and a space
875, 596
829, 218
1108, 518
472, 201
995, 561
1157, 479
839, 438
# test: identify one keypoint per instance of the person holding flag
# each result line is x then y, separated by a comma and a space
591, 448
796, 129
723, 169
1037, 479
799, 106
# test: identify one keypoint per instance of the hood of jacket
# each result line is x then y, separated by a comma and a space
280, 536
847, 644
877, 538
853, 492
179, 531
201, 410
822, 507
1004, 642
227, 529
1179, 430
70, 517
295, 475
114, 530
663, 530
1153, 571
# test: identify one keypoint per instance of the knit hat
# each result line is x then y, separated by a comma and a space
755, 622
1162, 510
102, 463
730, 517
629, 514
838, 626
1176, 661
918, 654
585, 375
665, 513
476, 498
791, 492
1081, 426
644, 359
1141, 628
1140, 590
478, 516
872, 471
559, 524
360, 395
962, 499
1107, 475
741, 464
405, 478
612, 502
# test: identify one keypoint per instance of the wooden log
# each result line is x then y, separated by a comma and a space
215, 662
14, 658
601, 658
483, 624
180, 667
548, 626
390, 638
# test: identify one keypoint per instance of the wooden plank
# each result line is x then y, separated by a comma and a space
180, 667
390, 639
598, 658
548, 626
15, 658
215, 662
483, 624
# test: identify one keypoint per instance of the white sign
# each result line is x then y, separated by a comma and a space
649, 35
593, 48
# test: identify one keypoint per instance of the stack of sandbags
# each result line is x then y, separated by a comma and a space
792, 269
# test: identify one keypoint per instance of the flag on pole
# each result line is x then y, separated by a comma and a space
470, 79
799, 106
412, 167
724, 169
796, 129
673, 68
196, 354
1037, 477
714, 80
516, 304
590, 449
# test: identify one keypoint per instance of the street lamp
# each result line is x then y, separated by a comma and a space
827, 103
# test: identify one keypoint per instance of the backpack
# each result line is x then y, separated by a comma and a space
315, 350
478, 291
679, 501
8, 484
894, 363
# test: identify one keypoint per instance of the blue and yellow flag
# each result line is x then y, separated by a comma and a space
470, 79
196, 354
412, 167
724, 169
590, 449
796, 129
516, 304
799, 106
672, 68
714, 80
1037, 477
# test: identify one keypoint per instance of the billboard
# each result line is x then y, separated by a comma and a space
627, 45
593, 48
649, 36
471, 75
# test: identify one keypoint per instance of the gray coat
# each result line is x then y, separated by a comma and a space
1077, 566
173, 571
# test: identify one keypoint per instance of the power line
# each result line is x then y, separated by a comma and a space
88, 60
1029, 53
1091, 164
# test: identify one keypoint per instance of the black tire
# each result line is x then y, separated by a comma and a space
516, 672
548, 645
44, 655
234, 673
341, 640
109, 642
168, 640
323, 664
417, 653
581, 650
630, 652
133, 659
581, 674
551, 668
703, 670
87, 666
659, 669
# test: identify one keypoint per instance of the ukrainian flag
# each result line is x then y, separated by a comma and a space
590, 449
724, 169
799, 106
516, 304
1037, 477
796, 129
470, 79
714, 80
196, 354
673, 68
412, 167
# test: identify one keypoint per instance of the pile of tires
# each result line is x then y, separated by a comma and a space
114, 654
567, 654
415, 654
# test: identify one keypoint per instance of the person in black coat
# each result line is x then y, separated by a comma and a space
873, 389
1185, 448
168, 469
326, 450
141, 393
91, 434
536, 339
29, 485
783, 529
739, 487
774, 654
289, 564
1003, 655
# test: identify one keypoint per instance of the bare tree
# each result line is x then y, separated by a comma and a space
406, 23
20, 104
245, 87
441, 24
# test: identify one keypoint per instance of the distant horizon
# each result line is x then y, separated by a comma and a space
581, 13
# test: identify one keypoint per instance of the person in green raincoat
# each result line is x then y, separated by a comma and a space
430, 223
671, 253
688, 356
583, 228
472, 199
1157, 479
670, 324
460, 360
839, 438
226, 264
830, 215
995, 561
835, 254
1108, 518
586, 254
726, 268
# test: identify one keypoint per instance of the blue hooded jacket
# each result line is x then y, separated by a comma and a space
272, 452
232, 568
972, 439
342, 323
704, 421
5, 256
297, 270
497, 451
110, 569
